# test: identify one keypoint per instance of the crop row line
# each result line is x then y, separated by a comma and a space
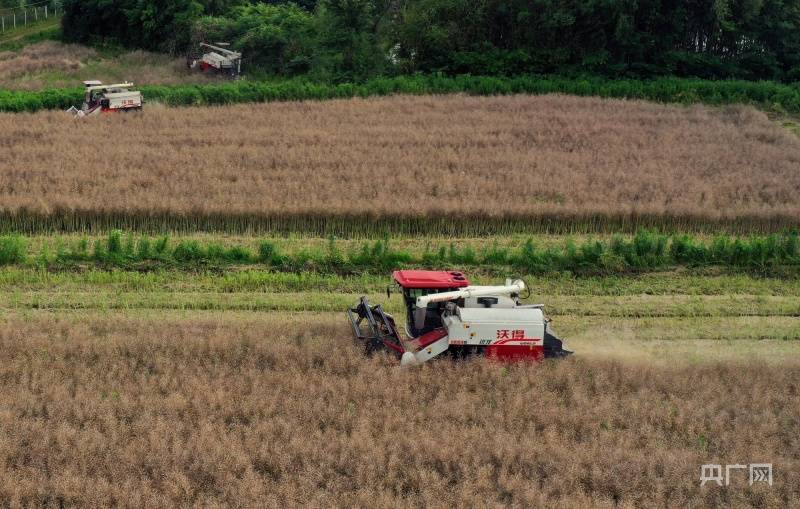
372, 225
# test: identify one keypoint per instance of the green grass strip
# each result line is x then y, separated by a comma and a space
645, 251
765, 94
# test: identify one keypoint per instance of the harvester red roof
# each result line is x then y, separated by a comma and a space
430, 279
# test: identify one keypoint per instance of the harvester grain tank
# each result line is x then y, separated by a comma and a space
444, 313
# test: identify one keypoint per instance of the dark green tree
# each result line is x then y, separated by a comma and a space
278, 38
349, 45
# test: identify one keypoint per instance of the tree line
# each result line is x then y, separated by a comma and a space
345, 40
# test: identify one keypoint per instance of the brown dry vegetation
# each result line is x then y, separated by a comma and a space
135, 412
44, 56
495, 156
52, 64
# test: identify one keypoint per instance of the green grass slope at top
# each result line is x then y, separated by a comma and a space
769, 95
14, 39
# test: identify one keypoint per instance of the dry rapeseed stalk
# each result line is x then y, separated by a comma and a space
518, 156
109, 411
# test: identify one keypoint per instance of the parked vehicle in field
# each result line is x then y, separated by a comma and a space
217, 59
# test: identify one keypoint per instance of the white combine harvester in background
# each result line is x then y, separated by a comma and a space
219, 60
99, 98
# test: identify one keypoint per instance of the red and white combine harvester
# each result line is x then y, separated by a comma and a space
444, 313
99, 98
215, 58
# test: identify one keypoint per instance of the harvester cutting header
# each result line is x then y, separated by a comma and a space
444, 313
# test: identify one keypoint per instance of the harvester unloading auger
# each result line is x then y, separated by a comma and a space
445, 314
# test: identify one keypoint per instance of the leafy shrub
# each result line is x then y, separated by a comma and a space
12, 249
162, 246
267, 252
143, 249
237, 254
187, 251
114, 246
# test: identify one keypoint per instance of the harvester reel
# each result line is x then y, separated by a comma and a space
374, 328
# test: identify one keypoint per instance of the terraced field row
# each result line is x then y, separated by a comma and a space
442, 165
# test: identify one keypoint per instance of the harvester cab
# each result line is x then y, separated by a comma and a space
418, 283
444, 313
99, 98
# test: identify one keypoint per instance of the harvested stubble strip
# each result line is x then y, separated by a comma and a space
547, 163
104, 411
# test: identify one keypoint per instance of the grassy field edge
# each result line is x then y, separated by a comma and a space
768, 95
644, 252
